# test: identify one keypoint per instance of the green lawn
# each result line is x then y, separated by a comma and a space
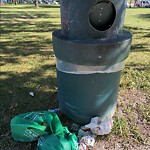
28, 64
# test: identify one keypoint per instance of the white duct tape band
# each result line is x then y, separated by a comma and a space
82, 69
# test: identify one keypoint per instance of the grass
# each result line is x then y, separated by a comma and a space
27, 60
136, 74
28, 64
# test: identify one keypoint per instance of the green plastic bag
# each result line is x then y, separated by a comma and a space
66, 141
46, 128
29, 126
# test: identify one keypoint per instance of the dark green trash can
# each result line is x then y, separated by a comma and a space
90, 56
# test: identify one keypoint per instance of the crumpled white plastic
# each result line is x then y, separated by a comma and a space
99, 127
86, 143
87, 133
32, 94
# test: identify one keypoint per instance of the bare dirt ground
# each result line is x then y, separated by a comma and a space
131, 129
130, 106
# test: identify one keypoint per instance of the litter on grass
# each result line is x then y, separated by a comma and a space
54, 110
89, 132
31, 93
86, 143
98, 126
46, 128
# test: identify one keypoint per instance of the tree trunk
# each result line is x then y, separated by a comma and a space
135, 2
36, 3
15, 2
130, 3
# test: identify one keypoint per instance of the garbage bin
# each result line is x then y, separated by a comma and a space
90, 51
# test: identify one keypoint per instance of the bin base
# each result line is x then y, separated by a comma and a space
83, 96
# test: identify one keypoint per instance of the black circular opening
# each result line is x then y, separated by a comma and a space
102, 15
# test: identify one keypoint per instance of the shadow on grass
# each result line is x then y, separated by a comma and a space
30, 6
18, 6
26, 43
136, 29
24, 25
22, 36
140, 48
15, 87
139, 66
147, 35
15, 98
28, 15
139, 33
146, 16
49, 6
24, 48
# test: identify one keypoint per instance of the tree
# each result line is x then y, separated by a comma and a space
135, 1
36, 3
130, 2
15, 2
